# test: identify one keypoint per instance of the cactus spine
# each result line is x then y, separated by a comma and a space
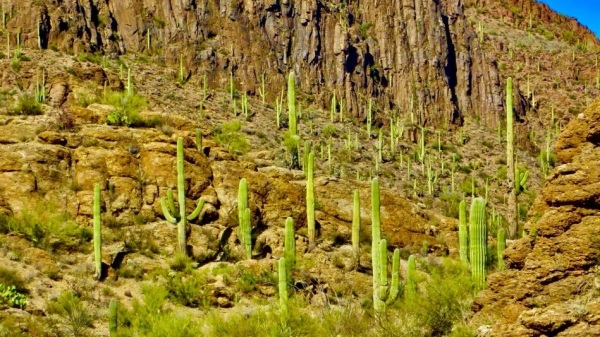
112, 318
356, 228
478, 241
97, 232
244, 217
283, 293
170, 212
510, 161
411, 283
463, 235
290, 246
310, 199
501, 246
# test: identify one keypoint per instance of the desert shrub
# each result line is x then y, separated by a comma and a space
187, 289
228, 135
26, 105
127, 110
10, 277
77, 312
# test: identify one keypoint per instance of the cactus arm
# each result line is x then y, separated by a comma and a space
197, 211
97, 232
166, 213
395, 286
171, 203
383, 279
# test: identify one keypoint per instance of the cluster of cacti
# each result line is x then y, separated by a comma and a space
169, 210
310, 199
478, 241
97, 232
112, 318
382, 292
244, 218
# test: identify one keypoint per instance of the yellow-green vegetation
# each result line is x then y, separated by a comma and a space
126, 110
229, 136
26, 104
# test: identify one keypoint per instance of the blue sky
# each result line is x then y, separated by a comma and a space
586, 11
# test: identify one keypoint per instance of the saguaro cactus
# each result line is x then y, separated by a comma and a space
290, 245
411, 283
510, 161
244, 217
501, 246
356, 228
170, 212
283, 293
310, 199
463, 235
112, 318
478, 241
97, 232
292, 103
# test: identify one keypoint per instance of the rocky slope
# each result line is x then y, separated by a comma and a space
551, 286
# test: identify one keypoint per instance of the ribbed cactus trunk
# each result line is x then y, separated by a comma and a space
168, 206
510, 161
290, 246
283, 293
375, 244
247, 233
292, 103
501, 246
478, 241
395, 286
411, 283
356, 228
97, 232
112, 318
310, 200
463, 235
244, 217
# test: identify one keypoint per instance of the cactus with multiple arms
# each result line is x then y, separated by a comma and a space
97, 232
310, 199
463, 235
168, 206
478, 241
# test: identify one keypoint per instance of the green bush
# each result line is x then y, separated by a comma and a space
127, 110
228, 135
9, 277
187, 289
77, 313
10, 296
26, 105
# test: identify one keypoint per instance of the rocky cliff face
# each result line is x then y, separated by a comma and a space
420, 53
552, 287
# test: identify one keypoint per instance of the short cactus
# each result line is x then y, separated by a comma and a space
112, 318
411, 283
283, 292
478, 242
290, 245
168, 206
463, 235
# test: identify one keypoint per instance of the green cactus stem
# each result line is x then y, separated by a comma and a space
290, 245
97, 232
411, 282
333, 108
478, 242
283, 292
307, 151
310, 199
292, 103
148, 39
112, 318
247, 233
501, 246
378, 304
510, 161
170, 213
199, 139
395, 286
463, 235
262, 91
369, 117
356, 228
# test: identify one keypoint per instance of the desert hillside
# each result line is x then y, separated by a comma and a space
158, 159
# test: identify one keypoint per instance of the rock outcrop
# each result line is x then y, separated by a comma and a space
551, 286
421, 54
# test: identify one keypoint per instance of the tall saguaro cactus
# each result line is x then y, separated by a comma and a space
97, 232
356, 228
510, 161
290, 245
463, 235
411, 283
310, 199
244, 218
168, 206
292, 103
283, 293
478, 241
